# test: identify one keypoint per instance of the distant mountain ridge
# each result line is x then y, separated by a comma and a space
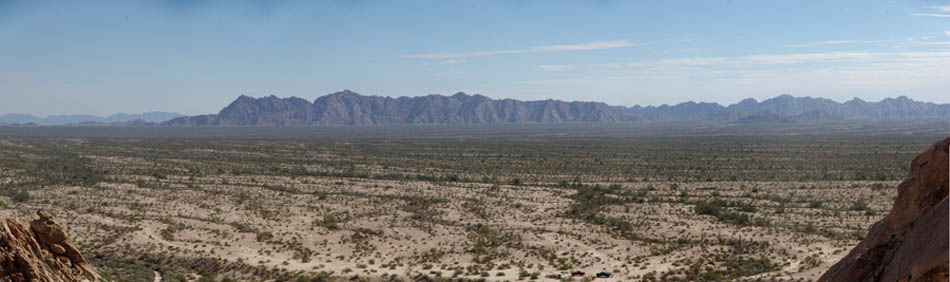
797, 108
155, 117
349, 108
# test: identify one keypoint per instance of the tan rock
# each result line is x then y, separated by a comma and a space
57, 249
43, 252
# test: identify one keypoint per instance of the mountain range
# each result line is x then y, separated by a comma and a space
349, 108
154, 117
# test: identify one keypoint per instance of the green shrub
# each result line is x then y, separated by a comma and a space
264, 236
21, 196
707, 208
331, 222
860, 205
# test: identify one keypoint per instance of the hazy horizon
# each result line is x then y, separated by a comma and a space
102, 58
495, 98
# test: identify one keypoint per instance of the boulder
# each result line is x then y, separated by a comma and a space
42, 252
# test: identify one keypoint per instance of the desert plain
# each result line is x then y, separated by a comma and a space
662, 201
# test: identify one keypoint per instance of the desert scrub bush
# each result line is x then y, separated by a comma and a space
733, 217
860, 205
121, 270
809, 262
747, 207
736, 267
242, 228
168, 233
264, 236
590, 200
330, 222
429, 256
707, 208
21, 196
486, 243
718, 208
859, 234
300, 252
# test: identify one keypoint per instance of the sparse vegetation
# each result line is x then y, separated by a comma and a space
494, 205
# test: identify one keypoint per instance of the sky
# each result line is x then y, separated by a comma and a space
195, 57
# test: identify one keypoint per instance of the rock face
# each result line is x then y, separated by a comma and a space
349, 108
911, 243
42, 252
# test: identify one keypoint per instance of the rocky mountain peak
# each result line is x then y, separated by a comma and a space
856, 100
243, 98
345, 92
783, 97
748, 101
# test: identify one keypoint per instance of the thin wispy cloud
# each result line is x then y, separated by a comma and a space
768, 59
449, 62
942, 12
604, 65
555, 67
833, 42
803, 57
933, 43
944, 9
598, 45
690, 40
763, 59
881, 71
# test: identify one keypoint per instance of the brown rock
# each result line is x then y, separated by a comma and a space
42, 252
57, 249
44, 215
49, 233
911, 243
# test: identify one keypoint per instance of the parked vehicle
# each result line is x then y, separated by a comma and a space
603, 274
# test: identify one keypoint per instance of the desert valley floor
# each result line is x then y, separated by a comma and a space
644, 201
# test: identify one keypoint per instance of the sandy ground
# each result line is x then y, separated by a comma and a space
378, 235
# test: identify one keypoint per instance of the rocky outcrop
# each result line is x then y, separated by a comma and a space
911, 243
42, 252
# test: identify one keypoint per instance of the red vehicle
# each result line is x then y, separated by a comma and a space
577, 273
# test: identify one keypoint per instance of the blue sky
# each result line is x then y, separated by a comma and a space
194, 57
